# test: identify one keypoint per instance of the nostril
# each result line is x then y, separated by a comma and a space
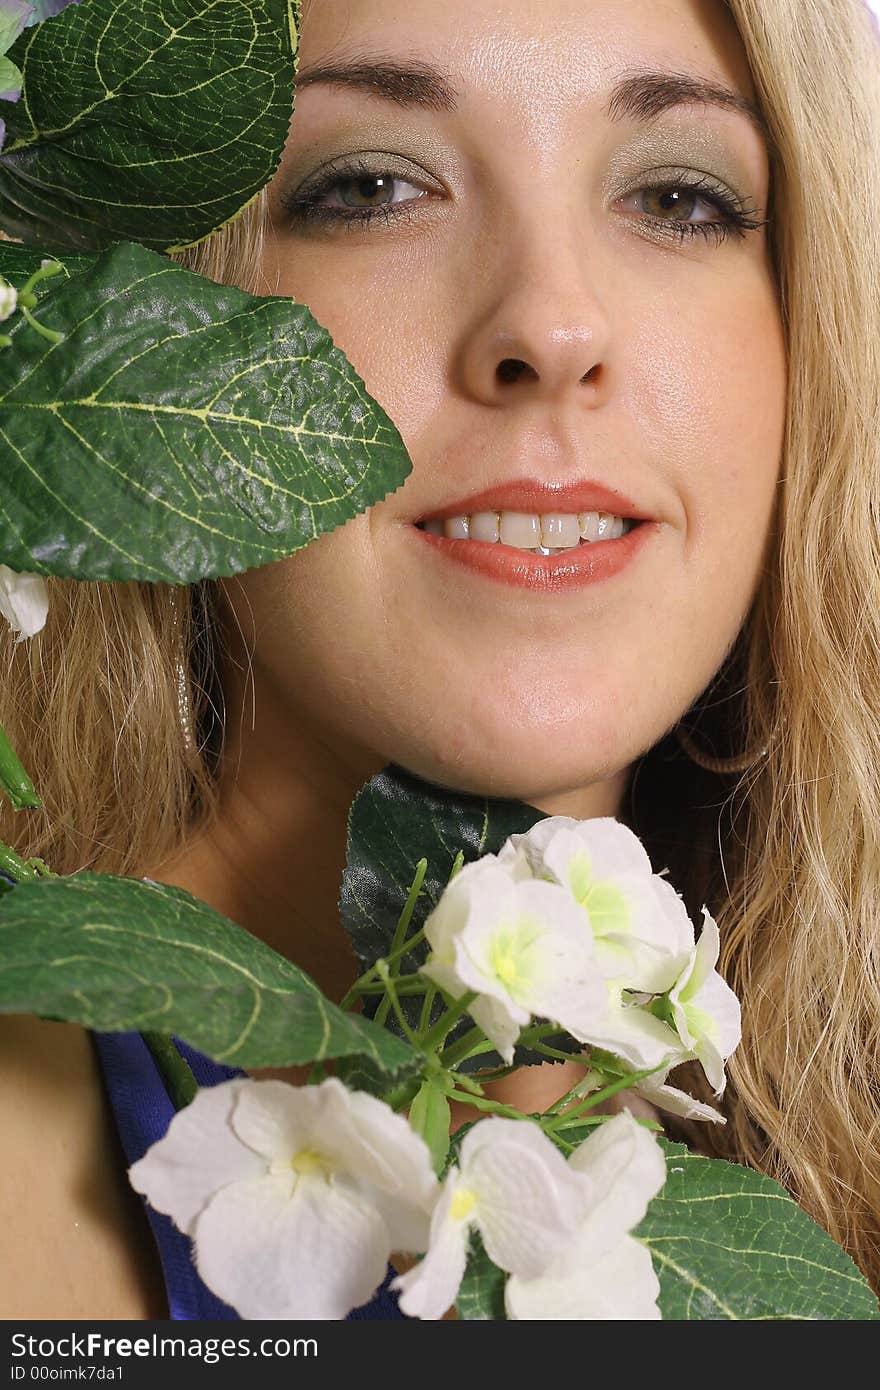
511, 369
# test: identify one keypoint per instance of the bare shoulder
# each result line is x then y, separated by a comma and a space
76, 1240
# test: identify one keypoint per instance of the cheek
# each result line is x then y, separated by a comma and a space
712, 406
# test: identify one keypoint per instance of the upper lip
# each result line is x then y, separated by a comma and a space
535, 496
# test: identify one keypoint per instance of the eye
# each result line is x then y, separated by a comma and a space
680, 197
360, 192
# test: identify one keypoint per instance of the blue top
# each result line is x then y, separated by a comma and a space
143, 1111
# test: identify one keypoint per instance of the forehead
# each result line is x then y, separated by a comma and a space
553, 52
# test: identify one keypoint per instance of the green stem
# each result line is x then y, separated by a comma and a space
399, 937
427, 1005
474, 1038
391, 959
395, 1003
22, 870
51, 334
43, 272
176, 1071
431, 1040
457, 865
13, 778
491, 1107
555, 1053
405, 985
597, 1097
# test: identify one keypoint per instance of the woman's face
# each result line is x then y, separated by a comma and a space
519, 222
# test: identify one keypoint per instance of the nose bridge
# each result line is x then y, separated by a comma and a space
536, 314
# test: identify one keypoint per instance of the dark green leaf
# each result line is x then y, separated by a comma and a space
183, 430
394, 821
145, 120
728, 1242
481, 1295
117, 953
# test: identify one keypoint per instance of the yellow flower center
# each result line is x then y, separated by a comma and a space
309, 1161
463, 1204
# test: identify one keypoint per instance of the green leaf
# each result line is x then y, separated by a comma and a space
395, 820
146, 120
481, 1293
118, 953
10, 78
728, 1242
429, 1116
183, 430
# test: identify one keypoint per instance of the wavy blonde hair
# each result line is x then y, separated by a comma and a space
116, 707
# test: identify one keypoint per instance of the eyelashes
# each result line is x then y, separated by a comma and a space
304, 208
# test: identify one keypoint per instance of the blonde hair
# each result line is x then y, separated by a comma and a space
116, 707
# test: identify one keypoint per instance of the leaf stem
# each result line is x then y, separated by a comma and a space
13, 778
394, 1002
22, 870
399, 937
436, 1035
176, 1070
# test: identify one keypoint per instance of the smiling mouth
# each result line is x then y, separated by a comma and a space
526, 534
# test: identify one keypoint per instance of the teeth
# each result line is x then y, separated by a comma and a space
522, 529
547, 533
560, 529
484, 526
457, 528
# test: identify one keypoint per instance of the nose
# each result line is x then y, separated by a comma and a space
537, 326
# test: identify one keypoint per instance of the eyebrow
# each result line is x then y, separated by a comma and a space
640, 94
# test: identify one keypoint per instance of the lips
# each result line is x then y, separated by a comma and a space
535, 496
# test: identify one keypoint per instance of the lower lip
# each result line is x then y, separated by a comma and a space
572, 569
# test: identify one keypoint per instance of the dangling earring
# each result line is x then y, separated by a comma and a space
719, 765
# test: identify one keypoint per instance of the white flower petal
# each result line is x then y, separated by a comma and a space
24, 602
381, 1146
636, 1036
276, 1119
199, 1155
537, 955
528, 1198
528, 848
677, 1102
625, 1164
317, 1254
501, 1023
621, 1285
430, 1287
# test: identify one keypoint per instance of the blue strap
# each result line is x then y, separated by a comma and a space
143, 1112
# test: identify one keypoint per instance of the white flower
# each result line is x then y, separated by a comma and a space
522, 946
632, 1033
639, 923
705, 1009
24, 602
8, 301
602, 1272
294, 1196
511, 1184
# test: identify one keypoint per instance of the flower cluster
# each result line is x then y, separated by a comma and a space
570, 923
296, 1197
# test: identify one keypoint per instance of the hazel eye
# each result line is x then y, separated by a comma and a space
673, 199
376, 189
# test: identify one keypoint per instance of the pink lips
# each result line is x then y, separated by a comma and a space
533, 495
570, 569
